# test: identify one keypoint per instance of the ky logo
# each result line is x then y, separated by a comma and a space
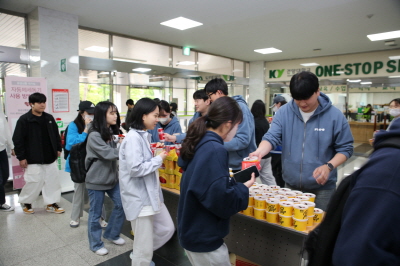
273, 73
319, 129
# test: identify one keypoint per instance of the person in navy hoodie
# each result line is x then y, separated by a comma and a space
244, 141
167, 121
315, 137
369, 232
209, 197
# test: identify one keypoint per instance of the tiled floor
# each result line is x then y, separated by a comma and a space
45, 238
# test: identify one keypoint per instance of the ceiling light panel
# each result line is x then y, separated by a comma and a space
181, 23
140, 69
97, 49
384, 35
270, 50
310, 64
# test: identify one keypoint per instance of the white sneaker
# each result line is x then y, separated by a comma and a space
103, 223
103, 251
119, 241
6, 208
74, 224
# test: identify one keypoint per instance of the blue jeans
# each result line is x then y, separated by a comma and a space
322, 196
115, 222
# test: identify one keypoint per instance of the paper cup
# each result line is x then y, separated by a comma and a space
251, 199
257, 191
285, 189
272, 217
302, 198
318, 213
285, 221
298, 193
311, 206
267, 190
269, 195
259, 202
310, 195
273, 205
281, 197
290, 194
310, 221
281, 192
275, 187
259, 214
294, 200
286, 208
300, 224
300, 211
249, 211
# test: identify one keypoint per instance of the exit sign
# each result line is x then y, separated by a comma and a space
63, 65
186, 50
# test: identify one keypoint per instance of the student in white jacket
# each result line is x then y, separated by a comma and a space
5, 141
141, 194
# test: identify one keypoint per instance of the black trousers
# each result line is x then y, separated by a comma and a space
4, 173
276, 164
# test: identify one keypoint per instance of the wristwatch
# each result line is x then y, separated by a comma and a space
330, 166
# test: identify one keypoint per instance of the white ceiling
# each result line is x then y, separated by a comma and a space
235, 28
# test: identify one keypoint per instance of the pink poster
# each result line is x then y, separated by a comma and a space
17, 94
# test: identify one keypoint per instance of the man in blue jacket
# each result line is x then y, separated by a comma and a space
315, 137
244, 141
369, 232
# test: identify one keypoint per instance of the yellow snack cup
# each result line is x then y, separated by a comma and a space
281, 197
310, 221
290, 194
285, 189
294, 200
267, 190
269, 195
259, 202
300, 224
285, 221
298, 193
286, 208
259, 214
249, 211
273, 205
311, 206
251, 199
281, 192
300, 211
257, 192
272, 217
310, 195
302, 198
318, 213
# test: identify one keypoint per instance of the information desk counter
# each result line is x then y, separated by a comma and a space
264, 243
363, 131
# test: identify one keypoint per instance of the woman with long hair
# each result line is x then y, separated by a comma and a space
141, 194
261, 127
102, 177
77, 132
209, 196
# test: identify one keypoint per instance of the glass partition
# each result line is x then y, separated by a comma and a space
214, 64
94, 92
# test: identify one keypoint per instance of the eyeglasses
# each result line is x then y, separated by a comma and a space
209, 94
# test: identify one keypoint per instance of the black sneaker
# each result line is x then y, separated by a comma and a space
6, 208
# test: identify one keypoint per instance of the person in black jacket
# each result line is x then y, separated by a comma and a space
37, 145
261, 125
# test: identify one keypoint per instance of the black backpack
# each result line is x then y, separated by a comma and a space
66, 152
321, 241
77, 162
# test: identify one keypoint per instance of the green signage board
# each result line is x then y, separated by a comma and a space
63, 65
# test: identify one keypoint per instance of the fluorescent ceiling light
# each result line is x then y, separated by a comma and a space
353, 80
193, 76
270, 50
104, 73
185, 63
394, 57
310, 64
394, 77
140, 69
129, 60
97, 49
366, 83
181, 23
384, 35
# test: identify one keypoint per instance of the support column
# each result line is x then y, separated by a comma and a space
256, 83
